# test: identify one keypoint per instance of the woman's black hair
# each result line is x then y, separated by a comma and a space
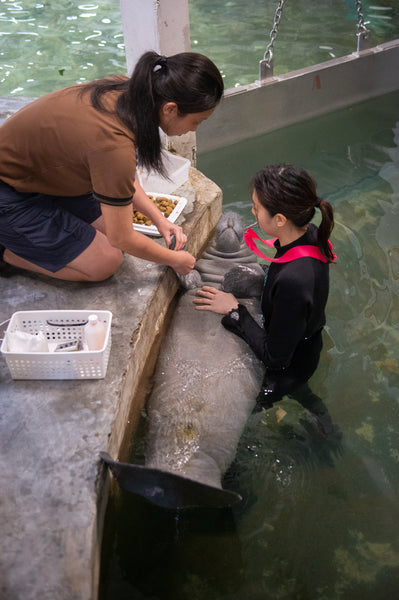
291, 191
190, 80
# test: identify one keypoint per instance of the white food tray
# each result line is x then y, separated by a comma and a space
151, 229
83, 364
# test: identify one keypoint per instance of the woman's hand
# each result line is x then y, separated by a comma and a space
120, 234
143, 203
167, 229
182, 262
215, 300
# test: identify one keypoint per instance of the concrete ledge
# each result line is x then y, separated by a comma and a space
51, 432
9, 106
198, 226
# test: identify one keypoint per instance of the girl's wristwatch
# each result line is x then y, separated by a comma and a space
234, 314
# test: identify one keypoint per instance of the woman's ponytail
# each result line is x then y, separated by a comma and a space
140, 107
190, 80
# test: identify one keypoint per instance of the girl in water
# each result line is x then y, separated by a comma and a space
68, 162
295, 291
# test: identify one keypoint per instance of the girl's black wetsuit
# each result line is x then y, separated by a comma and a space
293, 306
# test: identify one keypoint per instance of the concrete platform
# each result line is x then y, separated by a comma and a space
54, 489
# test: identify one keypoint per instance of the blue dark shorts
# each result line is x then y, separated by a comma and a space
48, 231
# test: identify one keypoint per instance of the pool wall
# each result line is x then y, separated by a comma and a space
252, 110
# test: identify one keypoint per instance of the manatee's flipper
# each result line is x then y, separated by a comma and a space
167, 489
191, 281
244, 281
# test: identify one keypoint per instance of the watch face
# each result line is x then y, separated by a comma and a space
234, 314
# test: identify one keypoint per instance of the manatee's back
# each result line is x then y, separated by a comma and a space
206, 379
205, 386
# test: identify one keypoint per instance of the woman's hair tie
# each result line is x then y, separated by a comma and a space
318, 200
160, 64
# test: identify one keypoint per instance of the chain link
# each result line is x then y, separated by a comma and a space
266, 65
268, 55
362, 31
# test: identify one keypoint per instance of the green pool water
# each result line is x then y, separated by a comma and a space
318, 520
49, 45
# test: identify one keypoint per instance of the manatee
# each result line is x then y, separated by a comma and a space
205, 384
227, 262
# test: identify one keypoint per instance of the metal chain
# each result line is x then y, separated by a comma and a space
273, 34
266, 65
362, 31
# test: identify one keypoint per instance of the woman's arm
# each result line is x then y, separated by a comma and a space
119, 230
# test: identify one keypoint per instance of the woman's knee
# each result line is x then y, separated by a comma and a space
99, 261
107, 265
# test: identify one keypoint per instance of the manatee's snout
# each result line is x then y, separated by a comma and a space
229, 233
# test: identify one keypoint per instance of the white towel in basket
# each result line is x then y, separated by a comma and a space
21, 341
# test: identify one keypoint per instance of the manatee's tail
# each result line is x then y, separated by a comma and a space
167, 489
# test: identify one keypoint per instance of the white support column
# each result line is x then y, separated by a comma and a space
162, 26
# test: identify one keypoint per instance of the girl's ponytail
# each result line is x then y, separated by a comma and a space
325, 228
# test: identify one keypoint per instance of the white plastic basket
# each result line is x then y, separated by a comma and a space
82, 364
177, 169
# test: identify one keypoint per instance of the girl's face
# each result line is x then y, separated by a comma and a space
174, 124
266, 222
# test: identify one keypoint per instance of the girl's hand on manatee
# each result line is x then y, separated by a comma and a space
215, 300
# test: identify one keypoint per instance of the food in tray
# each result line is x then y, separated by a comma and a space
165, 205
171, 206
